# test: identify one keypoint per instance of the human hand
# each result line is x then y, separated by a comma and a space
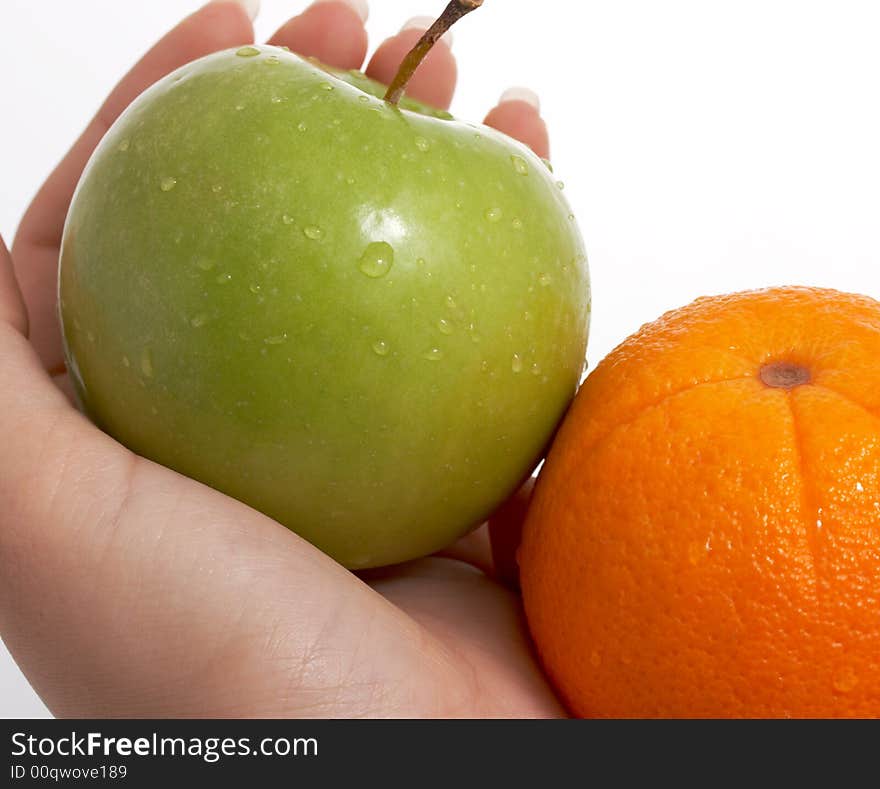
127, 589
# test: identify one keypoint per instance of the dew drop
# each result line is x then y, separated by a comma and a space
126, 362
124, 145
493, 214
216, 189
560, 185
377, 259
544, 280
547, 164
167, 184
520, 164
147, 363
326, 86
444, 326
255, 288
420, 262
204, 264
197, 321
516, 364
90, 336
535, 369
422, 144
222, 279
247, 52
276, 339
276, 99
301, 126
517, 224
313, 232
450, 302
239, 107
433, 355
380, 348
364, 99
272, 60
287, 219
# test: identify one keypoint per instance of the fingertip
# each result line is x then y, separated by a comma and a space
518, 115
250, 7
433, 81
330, 30
505, 534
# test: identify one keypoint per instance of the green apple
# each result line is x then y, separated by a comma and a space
361, 319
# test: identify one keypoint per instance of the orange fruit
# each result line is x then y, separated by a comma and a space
704, 537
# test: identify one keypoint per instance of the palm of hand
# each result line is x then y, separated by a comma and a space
127, 589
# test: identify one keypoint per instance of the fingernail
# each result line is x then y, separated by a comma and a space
521, 94
251, 7
423, 23
360, 7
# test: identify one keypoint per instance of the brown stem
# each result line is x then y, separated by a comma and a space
451, 14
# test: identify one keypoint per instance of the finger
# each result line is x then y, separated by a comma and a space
215, 26
434, 80
12, 309
518, 115
505, 534
473, 548
330, 30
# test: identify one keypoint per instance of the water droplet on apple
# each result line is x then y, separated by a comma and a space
433, 355
197, 321
276, 99
450, 302
276, 339
547, 164
301, 126
167, 183
560, 185
204, 264
313, 232
517, 224
422, 144
325, 86
380, 348
126, 362
255, 288
444, 326
216, 189
571, 217
364, 99
420, 262
516, 364
484, 366
377, 259
494, 214
544, 280
239, 107
123, 146
90, 336
520, 164
272, 60
287, 219
222, 279
527, 316
247, 52
535, 369
147, 363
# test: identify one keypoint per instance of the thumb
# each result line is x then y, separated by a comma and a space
12, 310
505, 533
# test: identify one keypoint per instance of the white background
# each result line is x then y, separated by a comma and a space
707, 146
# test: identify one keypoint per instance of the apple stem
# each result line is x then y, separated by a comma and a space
451, 14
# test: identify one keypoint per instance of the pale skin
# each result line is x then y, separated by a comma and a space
127, 589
